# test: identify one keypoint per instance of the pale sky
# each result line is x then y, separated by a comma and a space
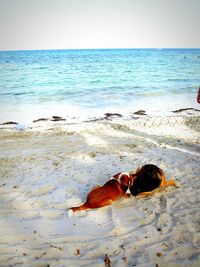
74, 24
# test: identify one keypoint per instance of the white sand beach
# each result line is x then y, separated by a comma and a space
52, 165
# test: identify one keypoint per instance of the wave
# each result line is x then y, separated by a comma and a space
17, 93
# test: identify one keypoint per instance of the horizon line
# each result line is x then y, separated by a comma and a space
79, 49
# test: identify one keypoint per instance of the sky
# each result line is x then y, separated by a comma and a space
85, 24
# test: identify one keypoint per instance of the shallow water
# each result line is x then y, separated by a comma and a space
84, 83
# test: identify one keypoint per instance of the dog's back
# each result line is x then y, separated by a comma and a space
146, 179
111, 190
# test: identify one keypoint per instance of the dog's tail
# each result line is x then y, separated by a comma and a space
73, 209
164, 181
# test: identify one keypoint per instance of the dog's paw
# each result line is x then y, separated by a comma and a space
70, 213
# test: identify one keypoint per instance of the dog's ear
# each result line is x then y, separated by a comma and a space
116, 176
132, 177
138, 169
124, 178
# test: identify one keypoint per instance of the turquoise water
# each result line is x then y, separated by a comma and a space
89, 82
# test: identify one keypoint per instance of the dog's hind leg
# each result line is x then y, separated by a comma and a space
73, 209
87, 206
103, 203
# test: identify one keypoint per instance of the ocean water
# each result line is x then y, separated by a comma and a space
89, 83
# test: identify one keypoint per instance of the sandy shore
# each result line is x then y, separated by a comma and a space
46, 170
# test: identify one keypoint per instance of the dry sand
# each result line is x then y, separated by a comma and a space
46, 170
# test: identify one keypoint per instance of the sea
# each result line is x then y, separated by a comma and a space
82, 84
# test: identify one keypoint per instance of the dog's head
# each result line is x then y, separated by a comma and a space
149, 170
125, 180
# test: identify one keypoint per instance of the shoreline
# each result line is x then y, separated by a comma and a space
47, 168
55, 120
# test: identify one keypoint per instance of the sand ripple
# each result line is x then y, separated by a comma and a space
45, 171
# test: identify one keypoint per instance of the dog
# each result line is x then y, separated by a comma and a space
147, 179
100, 196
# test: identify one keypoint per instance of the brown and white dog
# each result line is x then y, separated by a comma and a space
147, 179
100, 196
